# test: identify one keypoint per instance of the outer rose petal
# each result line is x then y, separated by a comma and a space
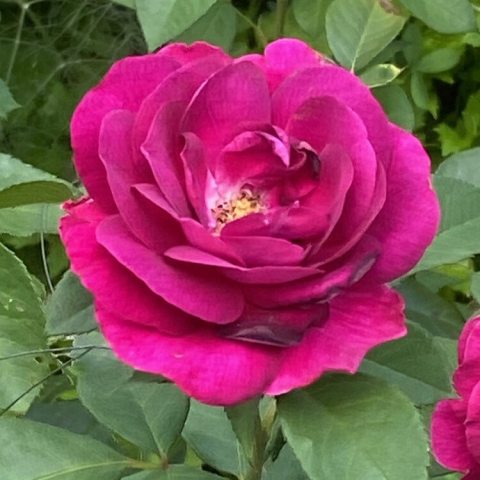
409, 219
125, 86
467, 375
111, 284
448, 435
212, 369
359, 320
194, 290
284, 57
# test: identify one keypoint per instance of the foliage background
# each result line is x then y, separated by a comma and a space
68, 409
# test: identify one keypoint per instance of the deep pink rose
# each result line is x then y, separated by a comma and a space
456, 422
244, 216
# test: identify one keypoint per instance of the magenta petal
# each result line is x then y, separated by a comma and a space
157, 230
283, 58
359, 320
336, 82
469, 342
409, 219
195, 233
194, 290
186, 54
257, 275
179, 86
162, 151
279, 327
125, 86
322, 121
473, 424
111, 284
211, 369
467, 375
233, 96
251, 155
196, 176
449, 442
321, 287
263, 251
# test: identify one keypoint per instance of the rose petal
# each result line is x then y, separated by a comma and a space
472, 424
284, 57
321, 287
278, 327
410, 217
213, 370
194, 290
196, 234
449, 443
258, 275
233, 96
157, 230
125, 86
358, 321
263, 251
337, 82
467, 375
111, 284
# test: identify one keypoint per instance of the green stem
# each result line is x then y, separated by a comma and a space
259, 35
16, 44
263, 432
44, 379
52, 350
281, 13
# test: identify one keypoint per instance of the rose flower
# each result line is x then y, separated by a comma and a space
456, 422
243, 217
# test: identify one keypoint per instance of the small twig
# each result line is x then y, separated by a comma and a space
16, 45
37, 384
281, 14
256, 29
52, 350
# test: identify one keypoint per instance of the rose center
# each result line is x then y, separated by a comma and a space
239, 205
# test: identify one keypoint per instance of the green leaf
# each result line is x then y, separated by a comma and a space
70, 308
22, 184
351, 428
439, 60
36, 451
210, 434
149, 414
357, 30
7, 102
245, 420
457, 182
432, 312
420, 364
397, 106
444, 16
380, 75
21, 330
218, 26
476, 286
29, 219
175, 472
72, 416
285, 467
126, 3
422, 94
310, 16
162, 21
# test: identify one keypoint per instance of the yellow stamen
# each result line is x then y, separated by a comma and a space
242, 204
